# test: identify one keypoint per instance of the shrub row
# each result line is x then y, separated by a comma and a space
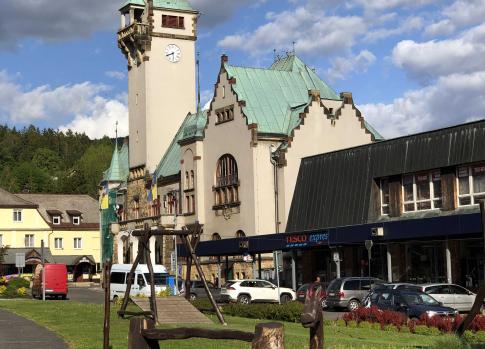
289, 312
425, 325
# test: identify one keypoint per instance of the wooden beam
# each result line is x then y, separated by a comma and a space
188, 332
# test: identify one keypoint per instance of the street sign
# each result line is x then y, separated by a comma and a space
20, 260
368, 244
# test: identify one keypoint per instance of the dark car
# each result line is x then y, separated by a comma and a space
349, 292
197, 290
301, 294
413, 303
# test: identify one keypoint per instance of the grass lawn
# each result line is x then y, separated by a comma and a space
81, 325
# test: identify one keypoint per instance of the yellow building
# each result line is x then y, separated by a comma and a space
68, 225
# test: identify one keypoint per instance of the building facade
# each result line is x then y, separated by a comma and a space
68, 225
233, 167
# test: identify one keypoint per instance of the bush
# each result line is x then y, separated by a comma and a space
426, 331
365, 325
289, 312
17, 283
3, 289
22, 291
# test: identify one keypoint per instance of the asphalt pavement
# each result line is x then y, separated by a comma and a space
91, 295
19, 333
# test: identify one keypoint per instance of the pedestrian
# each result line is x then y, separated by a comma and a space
317, 280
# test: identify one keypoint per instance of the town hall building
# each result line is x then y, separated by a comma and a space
233, 167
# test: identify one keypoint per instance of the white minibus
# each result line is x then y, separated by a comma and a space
141, 286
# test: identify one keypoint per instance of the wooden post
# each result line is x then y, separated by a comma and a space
130, 277
269, 336
107, 303
202, 276
316, 336
153, 296
135, 337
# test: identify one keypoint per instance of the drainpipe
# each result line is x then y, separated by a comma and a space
272, 157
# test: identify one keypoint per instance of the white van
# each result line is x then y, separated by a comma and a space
119, 273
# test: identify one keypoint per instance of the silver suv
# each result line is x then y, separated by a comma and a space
349, 292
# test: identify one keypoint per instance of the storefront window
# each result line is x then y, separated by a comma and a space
422, 191
385, 196
471, 185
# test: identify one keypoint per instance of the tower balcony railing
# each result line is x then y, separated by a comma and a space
134, 30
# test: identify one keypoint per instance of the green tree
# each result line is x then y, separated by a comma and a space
47, 159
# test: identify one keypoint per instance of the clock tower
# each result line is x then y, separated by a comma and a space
157, 38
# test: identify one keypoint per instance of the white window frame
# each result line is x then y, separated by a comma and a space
80, 245
415, 200
471, 194
17, 213
29, 238
382, 197
56, 220
76, 220
59, 243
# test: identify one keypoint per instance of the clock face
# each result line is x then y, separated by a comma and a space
173, 53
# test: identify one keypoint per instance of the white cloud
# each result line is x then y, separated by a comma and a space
461, 13
313, 32
405, 26
214, 12
342, 67
432, 59
454, 99
115, 74
101, 119
379, 5
51, 21
60, 105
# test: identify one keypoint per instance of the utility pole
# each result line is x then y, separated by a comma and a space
43, 268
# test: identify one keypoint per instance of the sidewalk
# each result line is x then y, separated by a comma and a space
19, 333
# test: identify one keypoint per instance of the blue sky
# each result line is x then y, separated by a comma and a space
412, 65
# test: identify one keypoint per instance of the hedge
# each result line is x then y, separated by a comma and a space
289, 312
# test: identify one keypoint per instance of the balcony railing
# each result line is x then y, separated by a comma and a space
227, 181
135, 29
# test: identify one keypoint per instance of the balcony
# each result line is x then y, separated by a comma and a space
227, 181
139, 32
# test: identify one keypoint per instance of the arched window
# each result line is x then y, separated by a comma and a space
192, 179
240, 234
187, 183
226, 182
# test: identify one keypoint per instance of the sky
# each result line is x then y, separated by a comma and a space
412, 65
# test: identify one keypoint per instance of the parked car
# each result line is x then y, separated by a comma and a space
247, 291
413, 303
197, 290
349, 292
140, 284
55, 281
451, 295
301, 294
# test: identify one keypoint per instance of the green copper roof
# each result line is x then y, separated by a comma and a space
375, 133
195, 125
173, 4
133, 2
119, 169
170, 163
170, 4
274, 97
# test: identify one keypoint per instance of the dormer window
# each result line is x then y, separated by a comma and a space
75, 216
56, 220
174, 22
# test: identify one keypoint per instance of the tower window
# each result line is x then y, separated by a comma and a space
174, 22
226, 186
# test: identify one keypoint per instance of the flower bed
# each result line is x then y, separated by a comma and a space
400, 322
13, 287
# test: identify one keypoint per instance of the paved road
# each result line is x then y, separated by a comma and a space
86, 295
19, 333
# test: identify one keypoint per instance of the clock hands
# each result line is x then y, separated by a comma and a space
170, 54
